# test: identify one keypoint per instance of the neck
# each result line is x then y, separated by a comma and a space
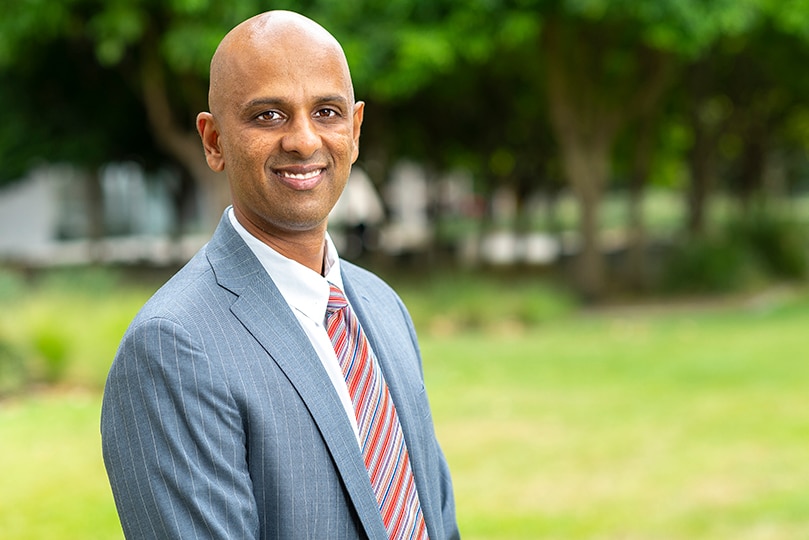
305, 247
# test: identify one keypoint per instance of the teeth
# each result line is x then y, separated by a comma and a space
305, 176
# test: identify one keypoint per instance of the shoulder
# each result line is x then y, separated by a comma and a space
191, 290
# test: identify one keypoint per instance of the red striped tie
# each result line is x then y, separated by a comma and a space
381, 437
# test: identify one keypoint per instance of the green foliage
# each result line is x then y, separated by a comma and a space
779, 243
13, 371
52, 347
748, 251
26, 24
114, 29
68, 109
54, 331
447, 83
711, 264
684, 26
790, 15
64, 327
189, 46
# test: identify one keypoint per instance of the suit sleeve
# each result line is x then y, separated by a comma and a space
450, 522
173, 440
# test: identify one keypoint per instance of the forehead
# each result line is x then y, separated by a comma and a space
289, 67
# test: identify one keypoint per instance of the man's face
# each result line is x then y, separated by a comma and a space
287, 133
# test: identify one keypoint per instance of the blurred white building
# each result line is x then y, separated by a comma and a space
59, 215
47, 217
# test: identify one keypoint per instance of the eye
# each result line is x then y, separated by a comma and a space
269, 115
326, 112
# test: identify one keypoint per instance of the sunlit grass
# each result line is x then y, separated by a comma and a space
53, 482
648, 424
675, 427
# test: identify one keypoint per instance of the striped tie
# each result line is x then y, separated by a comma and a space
381, 437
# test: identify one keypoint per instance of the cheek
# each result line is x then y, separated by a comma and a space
344, 148
247, 155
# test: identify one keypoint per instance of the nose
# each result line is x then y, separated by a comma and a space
302, 137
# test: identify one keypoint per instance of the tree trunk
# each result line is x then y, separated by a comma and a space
641, 167
753, 165
709, 117
587, 166
95, 208
585, 131
702, 164
590, 102
183, 144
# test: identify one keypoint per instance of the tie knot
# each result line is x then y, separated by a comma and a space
337, 299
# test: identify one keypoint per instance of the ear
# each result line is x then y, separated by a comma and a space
209, 133
359, 113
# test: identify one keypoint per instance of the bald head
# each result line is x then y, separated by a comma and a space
278, 36
284, 127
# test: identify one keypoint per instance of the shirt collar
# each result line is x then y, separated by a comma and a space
303, 289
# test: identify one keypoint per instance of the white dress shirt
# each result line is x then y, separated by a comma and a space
307, 294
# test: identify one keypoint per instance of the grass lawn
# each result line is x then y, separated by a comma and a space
625, 424
630, 426
53, 483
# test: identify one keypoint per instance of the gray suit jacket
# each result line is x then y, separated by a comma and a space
219, 421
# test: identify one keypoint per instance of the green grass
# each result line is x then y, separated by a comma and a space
655, 424
689, 426
53, 482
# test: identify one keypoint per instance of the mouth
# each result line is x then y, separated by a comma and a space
300, 178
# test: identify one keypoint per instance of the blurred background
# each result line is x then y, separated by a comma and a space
597, 212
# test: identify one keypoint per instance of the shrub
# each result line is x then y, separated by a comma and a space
13, 373
453, 301
62, 326
779, 243
713, 264
746, 251
52, 346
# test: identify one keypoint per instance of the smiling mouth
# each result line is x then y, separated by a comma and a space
302, 176
301, 181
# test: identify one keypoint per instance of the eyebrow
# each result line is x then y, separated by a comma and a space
275, 102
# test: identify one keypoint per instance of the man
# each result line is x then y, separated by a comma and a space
230, 411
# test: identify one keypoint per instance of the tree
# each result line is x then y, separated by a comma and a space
161, 49
55, 113
157, 54
604, 65
489, 80
597, 84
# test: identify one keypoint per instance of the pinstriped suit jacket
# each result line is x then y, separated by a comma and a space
218, 420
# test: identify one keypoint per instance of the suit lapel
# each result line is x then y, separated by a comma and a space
262, 310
